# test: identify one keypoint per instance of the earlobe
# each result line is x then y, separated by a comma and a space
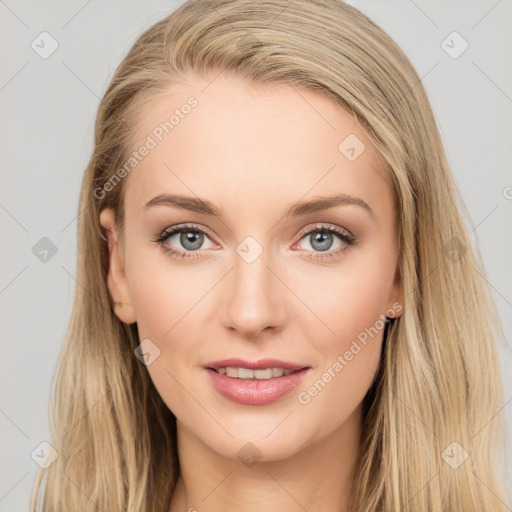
116, 278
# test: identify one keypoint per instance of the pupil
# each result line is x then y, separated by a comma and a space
324, 241
191, 240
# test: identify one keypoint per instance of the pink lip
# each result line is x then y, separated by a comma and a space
256, 365
254, 391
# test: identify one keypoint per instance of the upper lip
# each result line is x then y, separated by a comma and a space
261, 364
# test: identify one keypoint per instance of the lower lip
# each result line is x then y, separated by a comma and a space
254, 391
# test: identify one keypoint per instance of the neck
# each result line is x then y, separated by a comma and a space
318, 477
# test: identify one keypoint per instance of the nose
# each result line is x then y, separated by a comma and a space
254, 297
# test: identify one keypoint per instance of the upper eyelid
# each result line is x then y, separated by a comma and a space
172, 230
332, 228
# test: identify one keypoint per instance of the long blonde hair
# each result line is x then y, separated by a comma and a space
437, 395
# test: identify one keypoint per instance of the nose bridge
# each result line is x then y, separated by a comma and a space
253, 300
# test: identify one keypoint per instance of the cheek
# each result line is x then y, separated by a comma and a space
348, 300
161, 306
161, 292
169, 301
352, 303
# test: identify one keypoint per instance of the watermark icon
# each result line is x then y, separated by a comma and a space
454, 45
44, 454
507, 193
351, 147
454, 455
44, 250
152, 140
249, 249
304, 397
454, 249
248, 40
44, 45
249, 454
147, 352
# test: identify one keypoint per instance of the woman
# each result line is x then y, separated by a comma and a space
280, 304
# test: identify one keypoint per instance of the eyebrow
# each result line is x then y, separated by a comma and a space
196, 204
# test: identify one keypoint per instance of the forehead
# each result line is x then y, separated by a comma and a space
275, 143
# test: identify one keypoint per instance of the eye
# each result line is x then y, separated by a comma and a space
322, 238
189, 236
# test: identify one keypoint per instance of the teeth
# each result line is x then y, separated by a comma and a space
262, 374
243, 373
246, 373
231, 372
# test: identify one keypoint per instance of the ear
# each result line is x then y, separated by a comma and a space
116, 278
396, 297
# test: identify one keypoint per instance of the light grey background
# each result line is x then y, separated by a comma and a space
47, 118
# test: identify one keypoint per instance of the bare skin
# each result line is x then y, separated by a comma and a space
253, 152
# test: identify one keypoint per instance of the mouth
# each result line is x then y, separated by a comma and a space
249, 374
263, 369
255, 383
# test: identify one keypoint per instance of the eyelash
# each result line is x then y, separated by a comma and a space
345, 237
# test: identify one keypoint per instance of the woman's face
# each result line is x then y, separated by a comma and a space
264, 277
